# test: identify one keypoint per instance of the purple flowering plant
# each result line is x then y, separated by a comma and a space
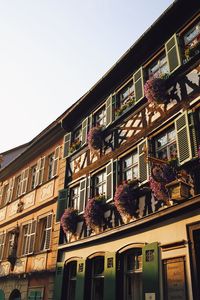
94, 211
125, 198
155, 90
95, 140
69, 220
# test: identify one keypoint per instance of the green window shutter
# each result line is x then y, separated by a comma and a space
88, 188
150, 260
143, 168
109, 180
109, 109
138, 80
80, 280
62, 203
2, 296
67, 143
82, 198
193, 136
58, 281
172, 50
84, 131
109, 276
91, 121
115, 175
32, 295
183, 138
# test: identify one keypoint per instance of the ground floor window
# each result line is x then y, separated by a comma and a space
132, 269
97, 278
15, 295
35, 294
71, 279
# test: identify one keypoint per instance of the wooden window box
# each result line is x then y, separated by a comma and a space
179, 190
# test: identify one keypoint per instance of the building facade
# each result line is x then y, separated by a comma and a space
29, 233
129, 207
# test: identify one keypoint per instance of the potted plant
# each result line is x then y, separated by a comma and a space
155, 90
182, 187
75, 146
95, 138
94, 212
69, 220
119, 111
126, 199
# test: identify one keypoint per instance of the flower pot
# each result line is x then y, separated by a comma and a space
178, 190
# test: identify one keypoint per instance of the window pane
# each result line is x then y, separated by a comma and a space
98, 287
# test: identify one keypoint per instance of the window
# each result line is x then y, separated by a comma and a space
132, 262
28, 238
99, 181
2, 242
32, 177
100, 117
75, 197
17, 187
130, 166
165, 145
44, 232
10, 241
50, 165
192, 36
76, 135
6, 191
125, 98
124, 95
24, 181
39, 177
159, 67
53, 163
97, 278
35, 294
71, 280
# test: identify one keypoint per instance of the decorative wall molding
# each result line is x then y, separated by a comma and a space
29, 200
47, 191
4, 268
3, 213
12, 208
20, 265
39, 262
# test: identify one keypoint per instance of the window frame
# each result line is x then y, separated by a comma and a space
166, 146
30, 237
47, 230
2, 245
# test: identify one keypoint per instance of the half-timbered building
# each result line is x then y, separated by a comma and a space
130, 204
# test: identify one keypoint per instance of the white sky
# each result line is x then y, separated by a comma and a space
53, 51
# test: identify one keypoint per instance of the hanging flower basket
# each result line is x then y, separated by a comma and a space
94, 212
69, 220
125, 199
95, 139
155, 91
160, 176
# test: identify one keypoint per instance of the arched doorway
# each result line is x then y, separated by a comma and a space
15, 295
2, 295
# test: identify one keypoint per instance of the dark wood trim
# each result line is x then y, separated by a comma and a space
144, 222
194, 272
